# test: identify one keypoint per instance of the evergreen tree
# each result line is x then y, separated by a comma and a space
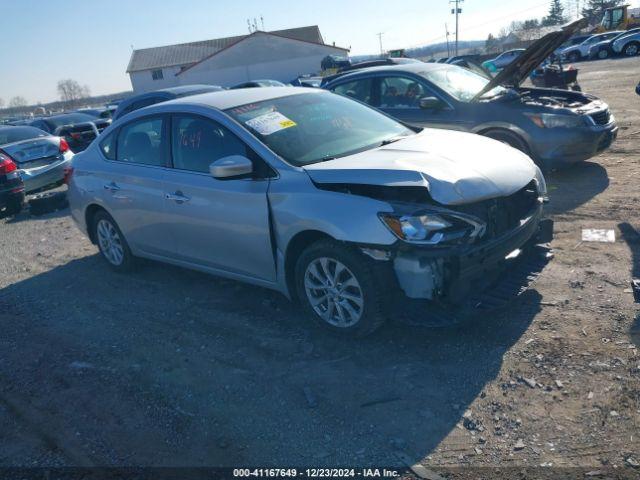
556, 14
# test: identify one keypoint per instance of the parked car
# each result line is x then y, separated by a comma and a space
580, 51
628, 45
40, 157
141, 100
258, 84
100, 112
312, 194
369, 64
502, 60
11, 187
307, 81
604, 49
78, 129
555, 127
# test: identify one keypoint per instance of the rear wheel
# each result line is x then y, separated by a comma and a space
112, 244
340, 288
631, 49
13, 207
602, 54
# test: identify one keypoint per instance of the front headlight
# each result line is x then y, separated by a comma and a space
553, 120
430, 228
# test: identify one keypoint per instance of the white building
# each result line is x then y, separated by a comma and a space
279, 55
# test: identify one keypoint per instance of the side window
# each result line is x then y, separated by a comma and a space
401, 92
108, 146
358, 89
142, 142
197, 142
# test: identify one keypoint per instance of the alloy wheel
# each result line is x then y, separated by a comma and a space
334, 292
110, 242
631, 50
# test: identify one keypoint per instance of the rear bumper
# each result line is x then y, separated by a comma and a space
39, 179
561, 147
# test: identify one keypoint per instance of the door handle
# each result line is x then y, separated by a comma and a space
112, 187
177, 197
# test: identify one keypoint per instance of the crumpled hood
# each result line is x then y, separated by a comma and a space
455, 167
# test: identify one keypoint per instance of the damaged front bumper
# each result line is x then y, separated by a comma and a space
451, 276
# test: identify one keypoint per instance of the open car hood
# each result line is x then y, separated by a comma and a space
517, 71
455, 167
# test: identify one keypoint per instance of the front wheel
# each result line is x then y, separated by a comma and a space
340, 288
602, 54
111, 242
631, 49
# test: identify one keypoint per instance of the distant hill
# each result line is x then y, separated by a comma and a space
433, 50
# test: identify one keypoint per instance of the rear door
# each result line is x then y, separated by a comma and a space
132, 182
219, 224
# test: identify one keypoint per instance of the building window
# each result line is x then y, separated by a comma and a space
157, 74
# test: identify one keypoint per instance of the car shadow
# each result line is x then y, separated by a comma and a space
573, 186
170, 367
632, 238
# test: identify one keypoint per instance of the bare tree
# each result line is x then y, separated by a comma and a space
71, 91
17, 102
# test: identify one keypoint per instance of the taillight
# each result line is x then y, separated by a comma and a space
68, 172
64, 146
76, 136
6, 165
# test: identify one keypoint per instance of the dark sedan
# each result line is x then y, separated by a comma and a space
78, 129
142, 100
554, 127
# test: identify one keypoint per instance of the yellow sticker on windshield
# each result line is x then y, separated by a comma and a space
269, 123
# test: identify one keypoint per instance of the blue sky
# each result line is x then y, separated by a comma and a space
44, 41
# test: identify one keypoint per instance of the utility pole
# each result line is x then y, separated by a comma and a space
380, 40
457, 10
446, 31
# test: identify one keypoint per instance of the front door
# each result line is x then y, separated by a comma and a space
220, 224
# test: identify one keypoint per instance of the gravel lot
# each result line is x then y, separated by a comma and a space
171, 367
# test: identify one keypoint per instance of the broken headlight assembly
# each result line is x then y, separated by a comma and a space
433, 228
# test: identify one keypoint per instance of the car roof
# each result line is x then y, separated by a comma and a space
415, 68
225, 99
183, 89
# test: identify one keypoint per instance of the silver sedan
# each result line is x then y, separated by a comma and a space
41, 158
312, 194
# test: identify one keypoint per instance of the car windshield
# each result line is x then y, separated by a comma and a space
460, 83
312, 127
69, 119
17, 134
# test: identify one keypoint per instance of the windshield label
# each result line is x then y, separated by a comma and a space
269, 123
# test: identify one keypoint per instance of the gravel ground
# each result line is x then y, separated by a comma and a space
170, 367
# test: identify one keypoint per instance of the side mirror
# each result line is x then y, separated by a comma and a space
230, 167
431, 103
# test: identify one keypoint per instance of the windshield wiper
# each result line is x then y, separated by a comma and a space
391, 140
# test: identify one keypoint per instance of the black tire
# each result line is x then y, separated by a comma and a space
128, 260
48, 202
367, 274
511, 139
631, 49
602, 54
12, 208
574, 57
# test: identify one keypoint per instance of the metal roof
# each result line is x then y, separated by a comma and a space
186, 54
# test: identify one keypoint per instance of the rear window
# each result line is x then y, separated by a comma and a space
17, 134
108, 146
69, 119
